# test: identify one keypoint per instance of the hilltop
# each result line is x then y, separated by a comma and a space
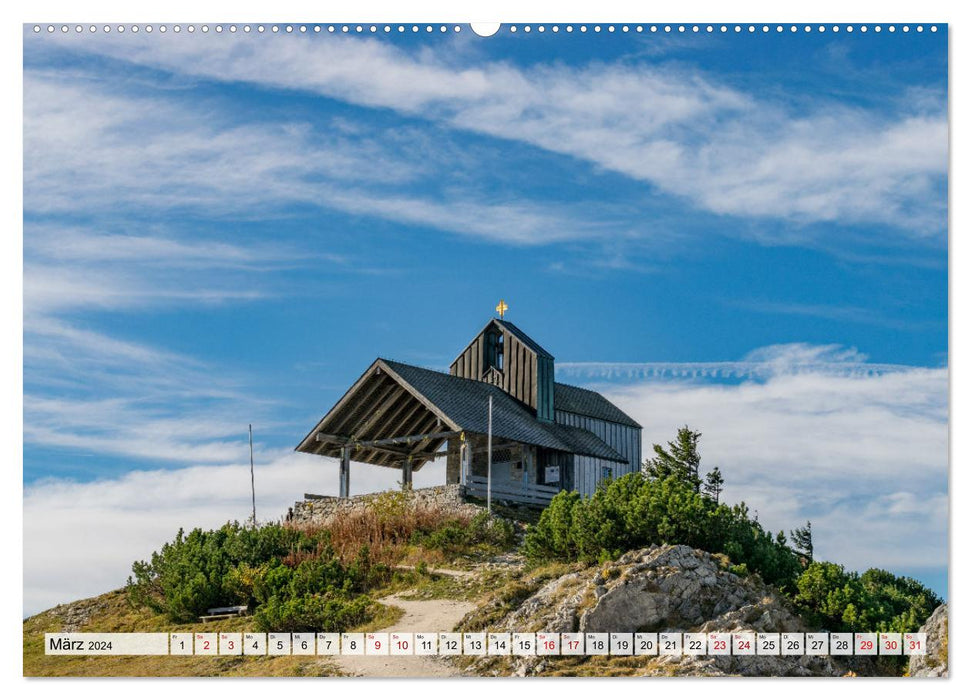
652, 589
415, 562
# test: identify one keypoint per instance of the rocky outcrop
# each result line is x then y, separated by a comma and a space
934, 664
74, 616
681, 588
672, 588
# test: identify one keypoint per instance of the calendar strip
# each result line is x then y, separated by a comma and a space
261, 644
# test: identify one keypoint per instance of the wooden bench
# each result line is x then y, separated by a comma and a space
224, 613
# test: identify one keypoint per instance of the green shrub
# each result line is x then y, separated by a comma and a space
312, 613
876, 600
455, 535
551, 537
235, 565
636, 511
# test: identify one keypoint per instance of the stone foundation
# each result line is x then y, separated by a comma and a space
319, 510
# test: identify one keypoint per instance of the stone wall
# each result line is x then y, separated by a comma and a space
319, 510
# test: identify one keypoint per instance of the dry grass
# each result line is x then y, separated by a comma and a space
386, 527
504, 598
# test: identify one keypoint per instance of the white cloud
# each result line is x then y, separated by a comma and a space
763, 363
94, 392
836, 312
88, 392
80, 539
77, 245
155, 429
677, 129
58, 354
90, 149
864, 455
53, 288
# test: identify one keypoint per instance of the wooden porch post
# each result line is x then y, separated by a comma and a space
345, 473
406, 474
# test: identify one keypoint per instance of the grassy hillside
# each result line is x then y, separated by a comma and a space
293, 571
331, 578
111, 612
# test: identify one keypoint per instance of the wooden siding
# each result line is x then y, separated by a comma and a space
588, 471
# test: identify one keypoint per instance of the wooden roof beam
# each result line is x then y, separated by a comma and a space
401, 454
408, 418
377, 380
390, 425
384, 404
433, 436
407, 439
426, 436
417, 420
425, 457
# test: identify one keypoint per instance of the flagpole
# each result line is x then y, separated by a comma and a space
489, 463
252, 478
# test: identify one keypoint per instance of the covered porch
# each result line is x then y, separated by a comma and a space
521, 472
402, 417
382, 421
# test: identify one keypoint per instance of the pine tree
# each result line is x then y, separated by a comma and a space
714, 483
681, 459
802, 539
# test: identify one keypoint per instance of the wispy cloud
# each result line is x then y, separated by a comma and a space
90, 148
50, 288
764, 363
148, 428
843, 312
65, 355
157, 248
88, 391
674, 128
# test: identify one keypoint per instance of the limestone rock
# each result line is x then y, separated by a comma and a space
671, 588
75, 615
934, 664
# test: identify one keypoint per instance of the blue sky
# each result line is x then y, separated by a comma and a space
745, 233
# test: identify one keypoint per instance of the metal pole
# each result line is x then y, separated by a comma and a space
489, 462
252, 478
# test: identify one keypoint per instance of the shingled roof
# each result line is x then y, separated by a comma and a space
585, 402
463, 401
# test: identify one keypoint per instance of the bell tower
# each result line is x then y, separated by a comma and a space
502, 355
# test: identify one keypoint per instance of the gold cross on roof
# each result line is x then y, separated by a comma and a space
502, 308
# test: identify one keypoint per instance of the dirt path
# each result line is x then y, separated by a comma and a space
457, 573
420, 616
